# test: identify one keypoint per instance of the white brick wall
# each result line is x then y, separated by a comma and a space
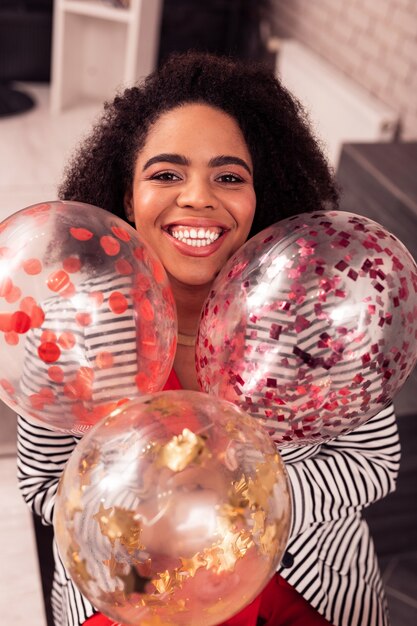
372, 41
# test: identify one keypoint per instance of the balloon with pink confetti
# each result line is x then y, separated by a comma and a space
311, 326
87, 317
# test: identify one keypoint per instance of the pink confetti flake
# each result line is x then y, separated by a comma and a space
366, 265
301, 323
376, 285
396, 264
275, 331
353, 275
341, 265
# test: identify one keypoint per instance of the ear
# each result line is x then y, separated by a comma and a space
128, 206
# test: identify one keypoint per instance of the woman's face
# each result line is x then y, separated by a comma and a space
193, 198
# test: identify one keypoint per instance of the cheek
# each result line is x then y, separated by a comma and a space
146, 207
245, 211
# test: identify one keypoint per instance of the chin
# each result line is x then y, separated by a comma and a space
204, 281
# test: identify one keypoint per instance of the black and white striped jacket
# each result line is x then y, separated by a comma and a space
334, 564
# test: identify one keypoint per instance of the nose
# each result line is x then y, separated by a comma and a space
197, 193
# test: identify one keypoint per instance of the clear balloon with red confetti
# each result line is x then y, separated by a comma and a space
311, 326
87, 316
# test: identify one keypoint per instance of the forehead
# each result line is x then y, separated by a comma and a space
193, 127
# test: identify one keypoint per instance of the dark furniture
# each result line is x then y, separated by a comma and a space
379, 180
25, 50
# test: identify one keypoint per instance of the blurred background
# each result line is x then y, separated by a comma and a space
351, 63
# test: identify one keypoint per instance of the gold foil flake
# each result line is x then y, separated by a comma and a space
268, 541
212, 558
267, 473
78, 567
223, 556
230, 427
258, 517
190, 566
261, 487
160, 405
167, 581
241, 487
235, 509
87, 462
113, 598
114, 566
118, 523
73, 501
181, 450
152, 600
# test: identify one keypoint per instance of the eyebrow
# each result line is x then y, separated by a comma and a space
178, 159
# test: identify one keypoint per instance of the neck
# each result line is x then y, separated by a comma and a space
189, 300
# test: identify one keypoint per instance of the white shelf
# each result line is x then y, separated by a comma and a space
95, 8
98, 49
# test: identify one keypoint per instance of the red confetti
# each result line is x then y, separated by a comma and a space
56, 373
6, 286
27, 304
13, 295
110, 245
67, 340
104, 360
117, 302
71, 264
58, 281
142, 382
49, 352
21, 322
142, 282
83, 319
97, 299
82, 234
37, 317
12, 338
48, 336
32, 266
7, 386
146, 310
123, 267
158, 272
121, 233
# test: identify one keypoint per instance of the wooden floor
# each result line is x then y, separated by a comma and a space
33, 150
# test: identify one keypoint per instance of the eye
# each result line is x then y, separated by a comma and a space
229, 178
166, 176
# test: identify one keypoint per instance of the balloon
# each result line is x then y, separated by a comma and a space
175, 509
311, 326
87, 317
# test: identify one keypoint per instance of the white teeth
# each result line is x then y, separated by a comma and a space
195, 237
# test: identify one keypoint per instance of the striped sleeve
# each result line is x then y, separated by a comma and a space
347, 474
41, 457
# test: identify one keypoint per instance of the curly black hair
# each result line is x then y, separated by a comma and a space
291, 174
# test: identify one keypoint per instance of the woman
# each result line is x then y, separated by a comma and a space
206, 153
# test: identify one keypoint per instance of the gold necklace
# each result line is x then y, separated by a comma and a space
186, 340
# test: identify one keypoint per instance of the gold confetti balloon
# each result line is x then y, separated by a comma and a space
174, 509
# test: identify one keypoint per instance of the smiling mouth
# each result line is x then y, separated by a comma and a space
196, 237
